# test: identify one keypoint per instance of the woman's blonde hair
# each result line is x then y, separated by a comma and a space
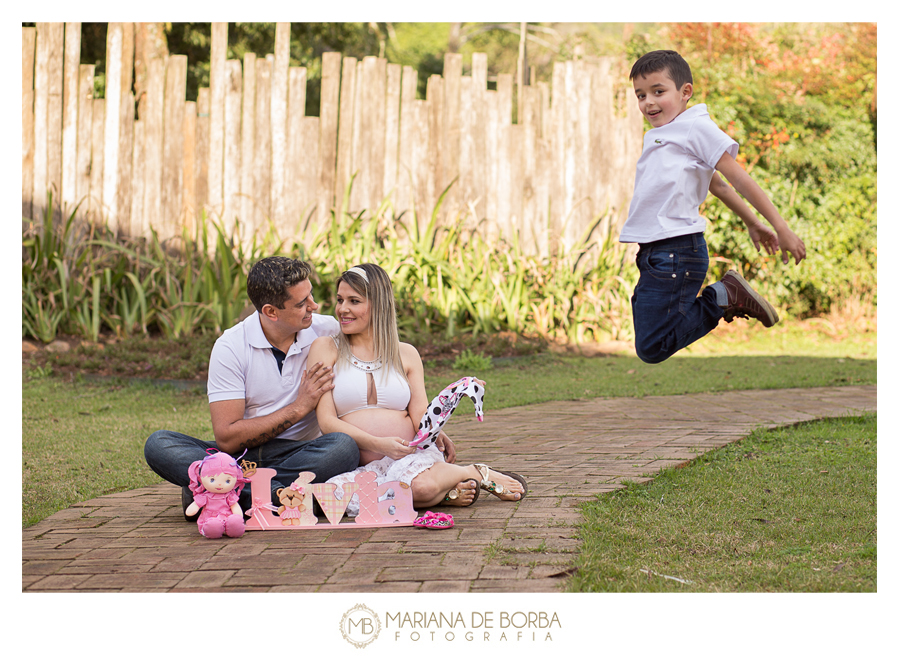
373, 283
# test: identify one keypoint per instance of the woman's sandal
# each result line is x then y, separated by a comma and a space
498, 489
434, 521
455, 493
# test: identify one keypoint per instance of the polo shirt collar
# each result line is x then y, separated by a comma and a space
256, 337
693, 111
305, 338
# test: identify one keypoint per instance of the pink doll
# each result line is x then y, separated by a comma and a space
216, 482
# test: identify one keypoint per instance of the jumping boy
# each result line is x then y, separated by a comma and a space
681, 155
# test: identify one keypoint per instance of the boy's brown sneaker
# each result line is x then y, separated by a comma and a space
744, 301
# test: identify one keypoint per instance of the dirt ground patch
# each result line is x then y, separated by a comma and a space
155, 357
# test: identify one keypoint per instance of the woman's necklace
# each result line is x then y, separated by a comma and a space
365, 366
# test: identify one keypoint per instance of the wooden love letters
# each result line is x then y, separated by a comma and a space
295, 505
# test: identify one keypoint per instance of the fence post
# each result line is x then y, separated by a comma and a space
303, 156
28, 57
391, 130
297, 152
530, 122
479, 118
345, 128
279, 109
557, 135
408, 84
189, 205
422, 143
47, 114
98, 125
114, 60
126, 129
603, 136
69, 193
432, 114
466, 181
358, 192
231, 172
262, 156
328, 127
124, 175
248, 140
85, 118
375, 98
504, 170
201, 153
451, 131
492, 166
152, 111
173, 146
138, 174
515, 174
218, 53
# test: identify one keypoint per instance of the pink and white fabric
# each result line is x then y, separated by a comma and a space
443, 406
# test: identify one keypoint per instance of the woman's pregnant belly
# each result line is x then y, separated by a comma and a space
381, 422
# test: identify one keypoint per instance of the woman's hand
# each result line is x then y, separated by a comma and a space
394, 447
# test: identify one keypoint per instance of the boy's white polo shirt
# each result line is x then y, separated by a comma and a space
673, 175
243, 367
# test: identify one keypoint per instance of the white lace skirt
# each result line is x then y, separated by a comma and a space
389, 470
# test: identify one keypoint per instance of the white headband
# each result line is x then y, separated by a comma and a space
360, 271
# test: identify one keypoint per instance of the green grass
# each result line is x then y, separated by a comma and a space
847, 333
546, 377
786, 510
83, 440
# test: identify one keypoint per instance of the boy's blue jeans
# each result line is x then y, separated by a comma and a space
668, 314
170, 454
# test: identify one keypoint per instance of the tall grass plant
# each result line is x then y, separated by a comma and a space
449, 276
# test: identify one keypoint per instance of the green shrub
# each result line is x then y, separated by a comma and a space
472, 362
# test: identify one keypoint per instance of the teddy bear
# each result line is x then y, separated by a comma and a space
293, 509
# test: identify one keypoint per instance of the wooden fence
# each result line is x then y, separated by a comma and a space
245, 149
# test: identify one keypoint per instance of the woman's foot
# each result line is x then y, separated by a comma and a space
462, 495
506, 486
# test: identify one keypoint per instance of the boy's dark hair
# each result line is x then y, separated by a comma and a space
270, 278
663, 60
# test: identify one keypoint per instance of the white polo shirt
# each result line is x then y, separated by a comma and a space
243, 367
672, 177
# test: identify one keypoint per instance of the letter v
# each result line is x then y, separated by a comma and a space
331, 506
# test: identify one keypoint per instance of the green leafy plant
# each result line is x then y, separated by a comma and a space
472, 362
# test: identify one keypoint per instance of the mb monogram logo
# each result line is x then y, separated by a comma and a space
360, 626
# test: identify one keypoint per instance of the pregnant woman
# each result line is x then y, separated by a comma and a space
379, 398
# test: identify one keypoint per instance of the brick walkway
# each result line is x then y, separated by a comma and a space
568, 451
